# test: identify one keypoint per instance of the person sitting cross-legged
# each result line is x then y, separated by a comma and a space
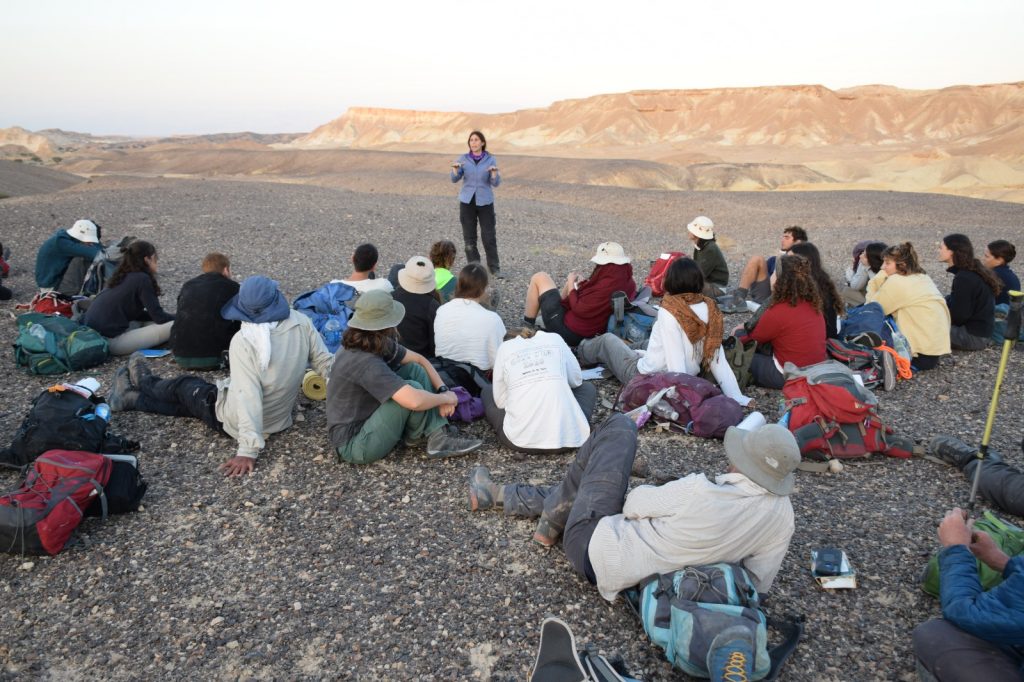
268, 357
616, 540
199, 334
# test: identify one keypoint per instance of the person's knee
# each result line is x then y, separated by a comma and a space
415, 384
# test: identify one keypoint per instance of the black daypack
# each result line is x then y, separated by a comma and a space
61, 418
463, 374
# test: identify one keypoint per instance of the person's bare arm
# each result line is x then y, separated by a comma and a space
413, 356
418, 400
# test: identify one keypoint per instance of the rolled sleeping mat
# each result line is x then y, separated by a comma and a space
313, 386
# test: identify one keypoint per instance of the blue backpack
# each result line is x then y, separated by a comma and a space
330, 308
683, 611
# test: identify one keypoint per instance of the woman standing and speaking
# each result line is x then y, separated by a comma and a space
479, 172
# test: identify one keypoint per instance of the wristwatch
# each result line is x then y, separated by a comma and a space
442, 389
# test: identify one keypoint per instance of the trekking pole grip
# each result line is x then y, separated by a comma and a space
1013, 317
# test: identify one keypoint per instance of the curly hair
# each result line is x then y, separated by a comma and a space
826, 287
963, 258
443, 253
794, 283
905, 258
134, 260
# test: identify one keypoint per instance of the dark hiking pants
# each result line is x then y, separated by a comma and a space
184, 396
469, 214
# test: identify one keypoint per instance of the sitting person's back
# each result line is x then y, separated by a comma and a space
364, 265
199, 334
417, 291
464, 330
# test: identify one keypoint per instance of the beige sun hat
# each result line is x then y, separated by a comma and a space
610, 252
84, 231
702, 227
376, 310
767, 456
417, 277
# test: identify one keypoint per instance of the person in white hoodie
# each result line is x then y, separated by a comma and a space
616, 540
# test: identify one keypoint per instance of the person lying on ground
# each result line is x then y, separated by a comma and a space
538, 403
792, 324
417, 292
831, 304
364, 265
869, 264
686, 337
580, 310
1000, 483
972, 298
464, 330
199, 335
268, 358
443, 255
708, 256
616, 540
906, 292
998, 256
64, 258
128, 312
382, 394
981, 634
755, 279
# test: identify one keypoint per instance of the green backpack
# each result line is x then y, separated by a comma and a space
1009, 538
51, 344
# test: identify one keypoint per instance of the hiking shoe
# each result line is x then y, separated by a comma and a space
138, 369
889, 374
546, 534
869, 339
446, 442
731, 655
482, 490
950, 450
122, 396
732, 305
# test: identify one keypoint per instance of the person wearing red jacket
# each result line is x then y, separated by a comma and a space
581, 308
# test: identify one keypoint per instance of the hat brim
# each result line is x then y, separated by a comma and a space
692, 229
414, 287
275, 312
606, 260
738, 453
396, 315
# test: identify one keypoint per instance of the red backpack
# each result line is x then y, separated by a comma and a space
656, 277
39, 517
50, 303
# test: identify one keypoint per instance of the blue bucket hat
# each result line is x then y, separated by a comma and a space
258, 300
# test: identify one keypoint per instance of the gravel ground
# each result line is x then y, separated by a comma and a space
313, 569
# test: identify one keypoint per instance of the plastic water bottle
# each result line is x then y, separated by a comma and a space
38, 331
664, 410
103, 411
332, 334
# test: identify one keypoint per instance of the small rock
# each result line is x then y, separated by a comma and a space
27, 566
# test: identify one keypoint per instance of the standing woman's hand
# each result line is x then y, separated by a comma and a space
493, 177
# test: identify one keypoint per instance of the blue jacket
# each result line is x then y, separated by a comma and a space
477, 179
56, 253
1010, 283
996, 616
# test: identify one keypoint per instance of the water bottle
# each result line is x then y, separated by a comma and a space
332, 334
665, 411
103, 411
38, 331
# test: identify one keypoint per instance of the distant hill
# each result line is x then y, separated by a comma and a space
22, 179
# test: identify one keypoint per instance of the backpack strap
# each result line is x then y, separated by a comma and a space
792, 630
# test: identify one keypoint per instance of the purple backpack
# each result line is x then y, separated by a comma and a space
687, 403
469, 408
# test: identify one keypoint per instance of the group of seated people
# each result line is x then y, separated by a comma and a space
384, 391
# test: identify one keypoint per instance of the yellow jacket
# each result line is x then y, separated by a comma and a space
918, 307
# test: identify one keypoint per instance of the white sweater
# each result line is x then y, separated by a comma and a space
690, 522
465, 331
670, 350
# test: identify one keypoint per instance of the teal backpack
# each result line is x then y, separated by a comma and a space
681, 613
51, 344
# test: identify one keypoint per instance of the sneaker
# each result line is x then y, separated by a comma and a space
446, 442
546, 534
732, 305
731, 655
889, 374
482, 490
138, 369
950, 450
556, 656
122, 396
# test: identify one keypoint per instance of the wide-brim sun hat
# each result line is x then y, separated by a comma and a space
258, 300
84, 231
702, 227
768, 456
417, 277
610, 252
376, 310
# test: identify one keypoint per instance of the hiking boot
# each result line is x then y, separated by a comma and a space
733, 304
546, 534
446, 442
731, 655
483, 492
868, 339
952, 451
122, 396
138, 369
889, 374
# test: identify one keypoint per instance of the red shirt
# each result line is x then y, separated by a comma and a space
797, 333
589, 306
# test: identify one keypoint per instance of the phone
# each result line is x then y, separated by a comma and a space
827, 561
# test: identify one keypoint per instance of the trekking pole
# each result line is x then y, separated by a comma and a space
1009, 338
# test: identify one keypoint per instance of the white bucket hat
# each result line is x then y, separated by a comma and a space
417, 277
702, 227
610, 252
84, 231
767, 456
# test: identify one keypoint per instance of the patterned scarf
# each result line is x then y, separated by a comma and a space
706, 337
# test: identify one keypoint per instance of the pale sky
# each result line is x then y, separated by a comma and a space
186, 66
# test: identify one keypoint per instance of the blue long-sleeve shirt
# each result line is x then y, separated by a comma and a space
996, 616
55, 254
477, 179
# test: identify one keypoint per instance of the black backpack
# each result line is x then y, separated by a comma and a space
62, 419
463, 374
